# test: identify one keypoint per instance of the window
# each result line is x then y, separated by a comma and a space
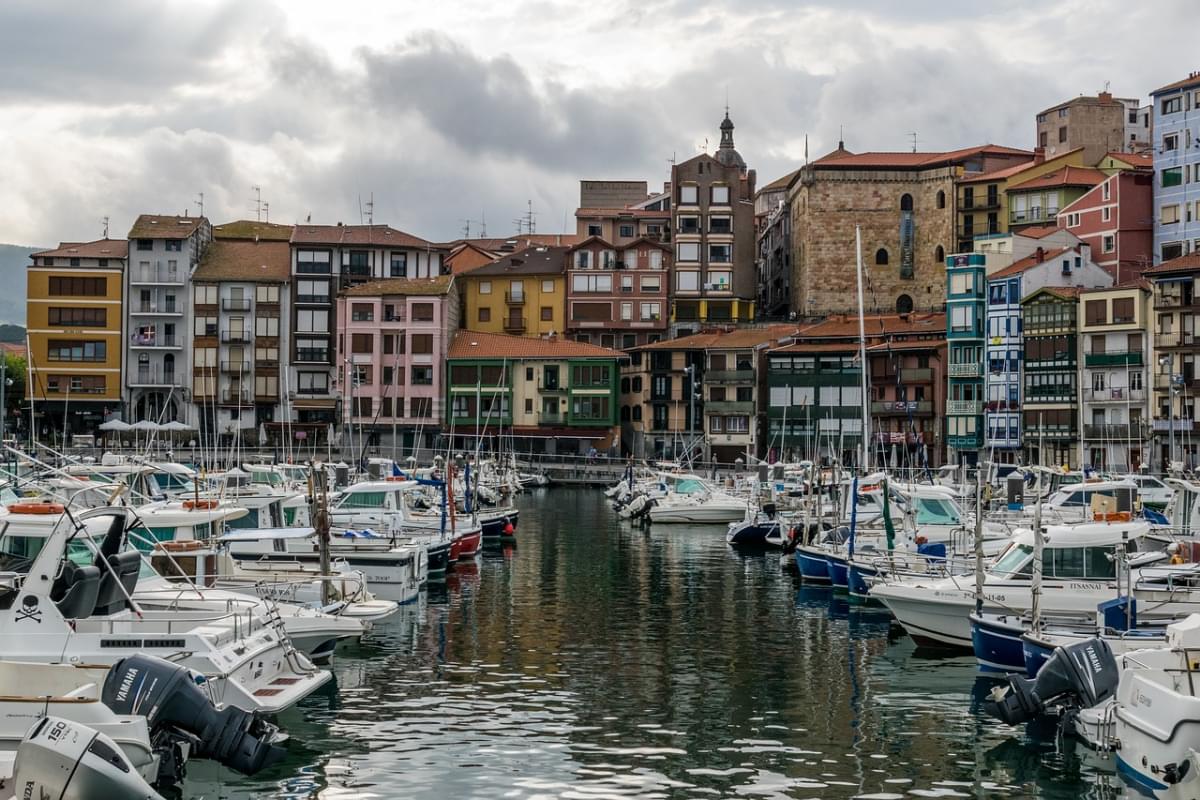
422, 376
595, 230
266, 293
719, 280
591, 283
720, 194
358, 262
687, 251
485, 287
1073, 220
79, 317
485, 314
66, 350
941, 199
1123, 311
266, 326
1169, 214
174, 245
906, 202
1042, 139
399, 265
651, 284
1172, 176
962, 318
650, 311
422, 312
1106, 214
362, 312
688, 194
881, 257
205, 356
962, 283
626, 231
1172, 250
145, 244
205, 326
627, 311
939, 254
306, 292
687, 281
312, 351
583, 259
1170, 141
423, 407
720, 253
266, 385
313, 262
266, 355
207, 295
78, 287
688, 223
547, 313
1108, 243
720, 223
422, 344
1062, 134
1172, 105
715, 424
656, 258
312, 321
548, 286
590, 408
362, 343
1096, 312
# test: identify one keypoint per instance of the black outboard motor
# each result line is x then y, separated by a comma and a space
1078, 676
178, 712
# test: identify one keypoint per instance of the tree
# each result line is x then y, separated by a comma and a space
14, 390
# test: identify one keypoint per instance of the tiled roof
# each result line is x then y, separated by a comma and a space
1133, 159
538, 260
1130, 283
1038, 231
622, 212
844, 159
253, 229
1064, 176
475, 344
244, 260
876, 325
157, 226
14, 349
439, 284
101, 248
724, 339
1191, 80
1186, 263
1017, 267
591, 240
997, 174
919, 344
517, 242
1065, 292
779, 183
350, 235
816, 347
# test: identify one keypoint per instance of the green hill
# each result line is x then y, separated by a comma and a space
14, 258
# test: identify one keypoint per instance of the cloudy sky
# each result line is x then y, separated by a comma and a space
449, 111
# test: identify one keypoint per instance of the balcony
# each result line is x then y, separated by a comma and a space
998, 406
1114, 358
964, 407
916, 374
729, 406
140, 341
514, 298
1182, 425
155, 377
235, 303
965, 370
1049, 432
235, 396
1164, 341
1032, 214
314, 299
159, 274
156, 308
312, 355
729, 376
553, 387
558, 418
1116, 394
235, 367
1169, 300
514, 325
985, 203
235, 337
901, 407
1122, 431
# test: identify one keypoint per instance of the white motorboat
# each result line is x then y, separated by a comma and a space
691, 499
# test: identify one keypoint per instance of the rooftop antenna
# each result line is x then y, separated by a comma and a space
371, 209
105, 223
483, 224
257, 202
704, 146
913, 134
266, 212
200, 203
526, 223
671, 160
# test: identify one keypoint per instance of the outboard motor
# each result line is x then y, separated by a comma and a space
1077, 676
178, 712
68, 761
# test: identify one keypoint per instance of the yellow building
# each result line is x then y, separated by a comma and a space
983, 200
522, 294
74, 315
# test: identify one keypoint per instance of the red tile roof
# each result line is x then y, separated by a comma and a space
816, 347
511, 244
724, 339
779, 183
253, 229
621, 212
537, 260
1017, 267
101, 248
439, 284
476, 344
1065, 292
1140, 160
158, 226
1038, 231
350, 235
1064, 176
1186, 263
998, 174
876, 325
844, 159
919, 344
245, 260
1191, 80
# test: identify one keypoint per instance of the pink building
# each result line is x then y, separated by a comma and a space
617, 295
391, 350
1116, 217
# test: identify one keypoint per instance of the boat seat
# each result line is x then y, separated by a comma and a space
75, 590
111, 599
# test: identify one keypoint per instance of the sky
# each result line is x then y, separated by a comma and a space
462, 111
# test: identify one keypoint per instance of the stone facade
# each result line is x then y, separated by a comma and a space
1097, 124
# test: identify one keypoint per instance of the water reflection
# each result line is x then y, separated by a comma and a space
599, 659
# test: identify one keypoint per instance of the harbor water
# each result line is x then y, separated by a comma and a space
597, 659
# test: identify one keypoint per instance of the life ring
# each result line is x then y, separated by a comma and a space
36, 508
206, 503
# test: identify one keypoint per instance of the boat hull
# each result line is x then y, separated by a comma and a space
997, 643
812, 565
839, 572
754, 534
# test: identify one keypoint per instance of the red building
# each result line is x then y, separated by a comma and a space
1116, 217
617, 295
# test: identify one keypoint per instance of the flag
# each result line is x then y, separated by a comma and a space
887, 517
853, 512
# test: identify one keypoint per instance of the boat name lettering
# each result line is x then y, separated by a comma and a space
126, 684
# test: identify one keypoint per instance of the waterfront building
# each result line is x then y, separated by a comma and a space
966, 317
617, 296
240, 303
1176, 131
522, 293
773, 226
465, 255
815, 403
163, 253
1175, 356
393, 336
1116, 219
74, 321
1034, 201
1051, 370
327, 259
1114, 325
622, 211
1098, 125
715, 279
550, 394
904, 204
1067, 266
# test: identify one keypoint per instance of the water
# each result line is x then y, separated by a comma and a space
598, 660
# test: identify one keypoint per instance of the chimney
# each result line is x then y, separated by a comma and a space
1085, 251
1040, 255
1039, 155
1105, 97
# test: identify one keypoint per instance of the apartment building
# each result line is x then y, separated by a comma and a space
1113, 326
1050, 407
1177, 168
1176, 303
1037, 201
617, 298
1116, 219
1098, 124
522, 294
163, 253
392, 343
966, 318
240, 339
75, 329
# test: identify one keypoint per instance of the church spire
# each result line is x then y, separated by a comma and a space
726, 131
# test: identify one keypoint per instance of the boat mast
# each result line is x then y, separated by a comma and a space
862, 354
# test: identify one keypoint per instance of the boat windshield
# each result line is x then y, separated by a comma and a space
18, 552
935, 511
362, 500
689, 486
169, 482
1014, 561
267, 477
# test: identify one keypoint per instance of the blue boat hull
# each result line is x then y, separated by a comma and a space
839, 572
857, 580
997, 644
753, 534
812, 568
1035, 655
